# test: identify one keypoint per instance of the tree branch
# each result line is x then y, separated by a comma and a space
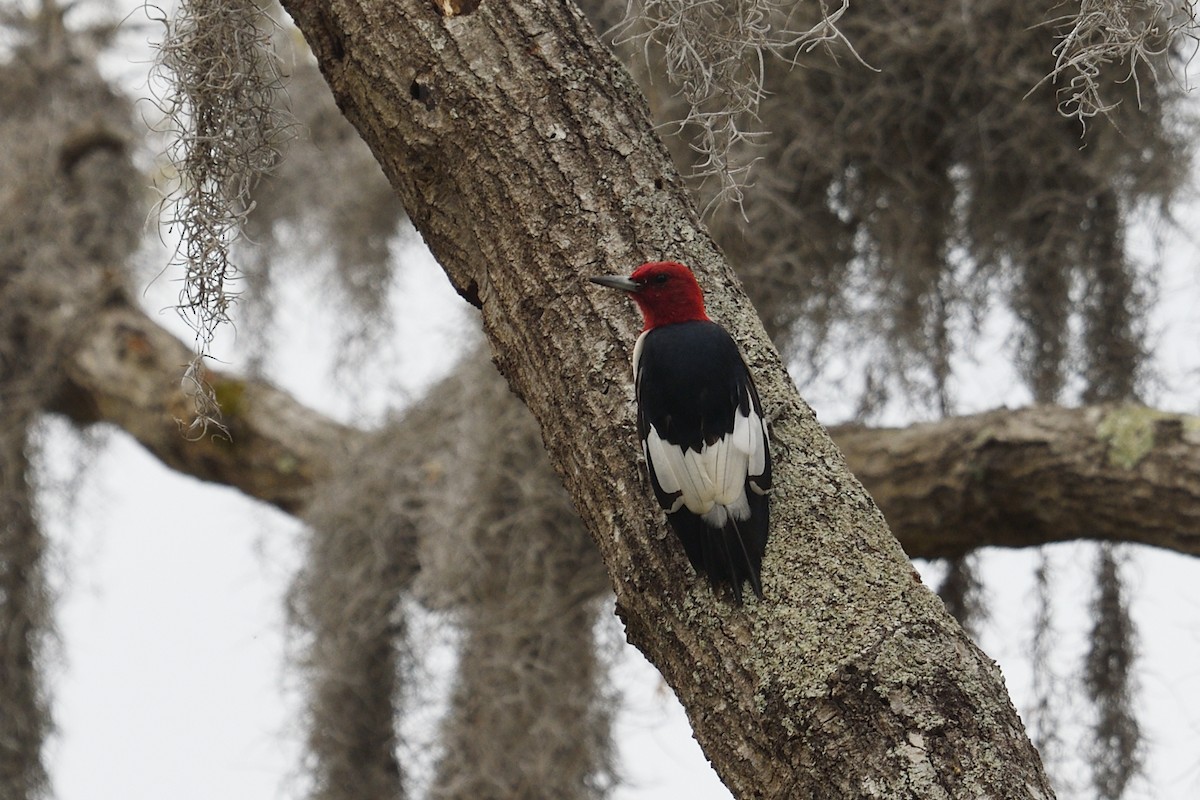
127, 372
1007, 478
1034, 476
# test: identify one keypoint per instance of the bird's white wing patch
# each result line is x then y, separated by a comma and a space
662, 464
686, 472
727, 460
742, 437
739, 454
637, 358
750, 436
714, 476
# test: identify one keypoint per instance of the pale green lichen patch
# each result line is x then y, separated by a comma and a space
230, 394
1129, 433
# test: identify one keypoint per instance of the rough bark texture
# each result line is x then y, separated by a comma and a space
1034, 476
24, 619
524, 155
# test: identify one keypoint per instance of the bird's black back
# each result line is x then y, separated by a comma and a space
691, 385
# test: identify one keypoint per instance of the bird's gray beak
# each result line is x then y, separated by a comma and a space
616, 282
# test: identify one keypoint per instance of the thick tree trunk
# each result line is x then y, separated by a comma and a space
524, 155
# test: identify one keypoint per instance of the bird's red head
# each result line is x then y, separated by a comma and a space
665, 291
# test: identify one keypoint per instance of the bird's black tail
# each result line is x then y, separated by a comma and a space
729, 556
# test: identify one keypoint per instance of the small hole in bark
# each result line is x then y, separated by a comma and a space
422, 94
658, 183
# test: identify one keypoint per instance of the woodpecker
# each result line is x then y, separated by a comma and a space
701, 424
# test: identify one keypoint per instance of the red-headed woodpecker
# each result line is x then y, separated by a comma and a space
701, 425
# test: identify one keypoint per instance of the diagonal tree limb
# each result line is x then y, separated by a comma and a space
524, 155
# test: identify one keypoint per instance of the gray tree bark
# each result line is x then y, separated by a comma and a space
1117, 473
524, 155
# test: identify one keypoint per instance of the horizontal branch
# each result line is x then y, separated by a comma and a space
127, 373
1004, 479
1034, 476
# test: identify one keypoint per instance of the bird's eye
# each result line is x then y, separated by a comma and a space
660, 279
